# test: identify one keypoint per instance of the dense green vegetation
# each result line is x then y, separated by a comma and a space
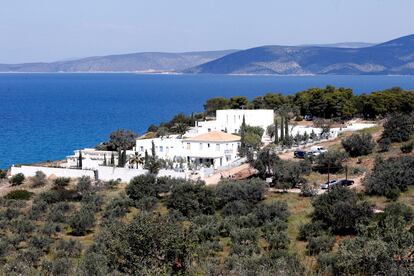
328, 102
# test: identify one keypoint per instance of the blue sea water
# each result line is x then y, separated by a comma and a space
47, 116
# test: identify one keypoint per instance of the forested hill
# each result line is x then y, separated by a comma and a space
389, 58
136, 62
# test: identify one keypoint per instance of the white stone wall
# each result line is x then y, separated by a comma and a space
104, 173
58, 172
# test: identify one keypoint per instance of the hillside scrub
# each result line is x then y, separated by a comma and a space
358, 144
390, 177
398, 127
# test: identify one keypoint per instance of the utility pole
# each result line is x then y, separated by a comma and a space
346, 172
329, 166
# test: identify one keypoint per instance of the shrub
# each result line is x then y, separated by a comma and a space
93, 264
308, 189
147, 203
331, 160
310, 230
3, 174
62, 266
117, 207
390, 177
92, 202
81, 222
360, 256
57, 212
251, 191
19, 195
84, 185
192, 199
320, 244
397, 209
236, 208
398, 127
141, 186
384, 144
22, 225
277, 240
358, 144
289, 174
61, 182
68, 248
341, 209
40, 242
17, 179
112, 184
407, 147
39, 179
163, 247
266, 212
39, 207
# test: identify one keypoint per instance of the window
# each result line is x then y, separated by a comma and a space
167, 149
208, 145
161, 148
201, 146
217, 147
188, 146
142, 148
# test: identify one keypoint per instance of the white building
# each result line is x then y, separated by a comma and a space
91, 158
165, 147
230, 120
215, 148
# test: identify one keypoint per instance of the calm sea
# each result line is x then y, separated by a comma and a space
47, 116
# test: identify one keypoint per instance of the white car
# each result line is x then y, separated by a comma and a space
328, 184
315, 151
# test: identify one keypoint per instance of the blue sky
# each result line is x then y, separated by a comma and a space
47, 30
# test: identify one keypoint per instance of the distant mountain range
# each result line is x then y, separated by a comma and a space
395, 57
137, 62
392, 57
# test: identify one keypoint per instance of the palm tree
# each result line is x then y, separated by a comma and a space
180, 128
136, 159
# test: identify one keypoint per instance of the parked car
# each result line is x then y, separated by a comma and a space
345, 182
300, 154
317, 150
328, 184
308, 117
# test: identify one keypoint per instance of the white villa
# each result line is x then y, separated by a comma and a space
230, 120
215, 148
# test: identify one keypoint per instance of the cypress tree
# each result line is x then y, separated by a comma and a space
282, 131
146, 158
286, 127
124, 158
242, 137
276, 132
153, 149
119, 158
80, 159
112, 159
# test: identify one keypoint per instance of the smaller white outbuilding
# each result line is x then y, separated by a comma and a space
230, 120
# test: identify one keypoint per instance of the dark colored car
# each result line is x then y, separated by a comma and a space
300, 154
345, 182
308, 117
